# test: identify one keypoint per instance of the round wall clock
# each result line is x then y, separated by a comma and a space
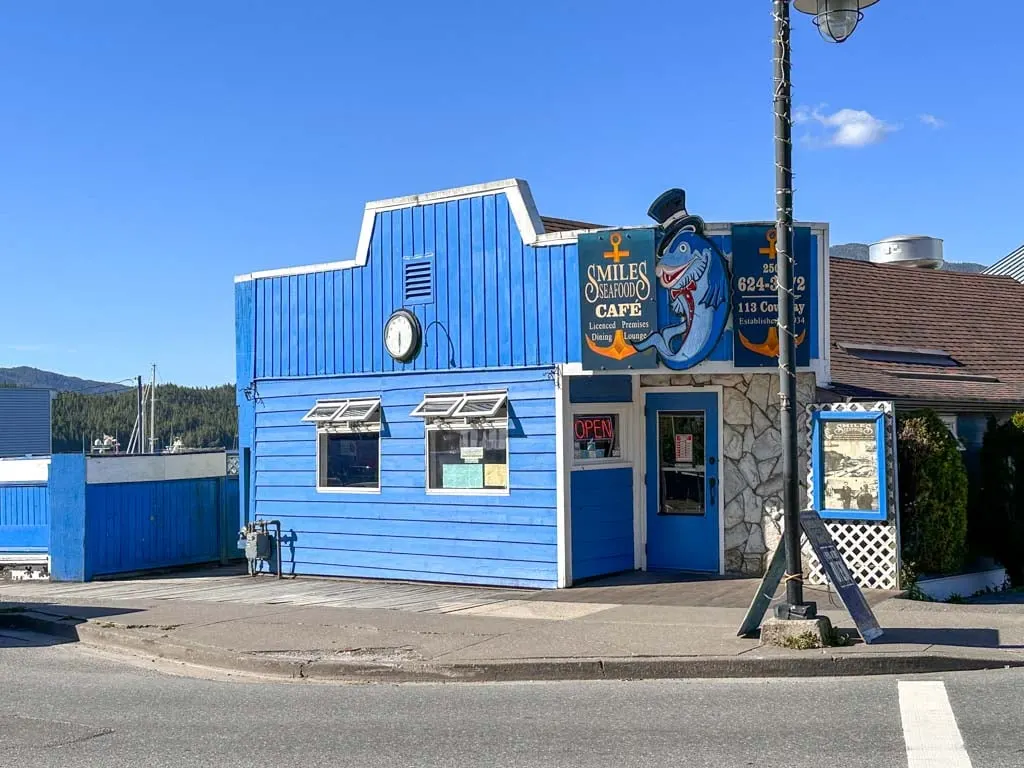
402, 335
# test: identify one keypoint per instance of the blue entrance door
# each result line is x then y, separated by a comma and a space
683, 499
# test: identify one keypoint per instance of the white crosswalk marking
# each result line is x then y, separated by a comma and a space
929, 728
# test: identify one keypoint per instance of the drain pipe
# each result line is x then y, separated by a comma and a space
277, 538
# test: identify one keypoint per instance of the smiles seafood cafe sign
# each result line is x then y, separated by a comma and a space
618, 302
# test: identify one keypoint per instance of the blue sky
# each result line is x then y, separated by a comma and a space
153, 150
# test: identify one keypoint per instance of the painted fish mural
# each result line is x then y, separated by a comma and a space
693, 283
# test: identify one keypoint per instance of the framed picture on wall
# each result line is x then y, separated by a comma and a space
849, 459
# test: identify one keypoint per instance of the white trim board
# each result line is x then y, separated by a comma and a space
520, 203
24, 470
146, 469
563, 477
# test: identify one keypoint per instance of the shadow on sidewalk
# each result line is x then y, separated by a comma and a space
963, 637
40, 625
203, 570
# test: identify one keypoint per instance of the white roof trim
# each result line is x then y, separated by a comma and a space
520, 203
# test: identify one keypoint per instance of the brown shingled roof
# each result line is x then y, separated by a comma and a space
552, 224
975, 319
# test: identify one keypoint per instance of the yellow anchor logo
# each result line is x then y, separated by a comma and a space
615, 253
619, 349
770, 346
770, 251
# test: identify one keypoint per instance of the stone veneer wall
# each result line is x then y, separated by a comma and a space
751, 471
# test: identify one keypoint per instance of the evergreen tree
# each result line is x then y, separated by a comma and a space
202, 417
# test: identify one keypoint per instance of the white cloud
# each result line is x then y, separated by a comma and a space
26, 347
932, 121
846, 127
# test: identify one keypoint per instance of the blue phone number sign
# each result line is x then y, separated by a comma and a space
755, 298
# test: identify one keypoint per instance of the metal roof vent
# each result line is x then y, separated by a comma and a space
908, 251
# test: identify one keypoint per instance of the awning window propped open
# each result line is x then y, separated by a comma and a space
354, 412
467, 405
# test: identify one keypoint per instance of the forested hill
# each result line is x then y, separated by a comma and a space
24, 376
202, 417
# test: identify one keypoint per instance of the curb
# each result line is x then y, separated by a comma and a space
641, 668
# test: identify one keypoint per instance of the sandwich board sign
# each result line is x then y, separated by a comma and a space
836, 569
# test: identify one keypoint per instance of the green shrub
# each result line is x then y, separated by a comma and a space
933, 495
1000, 508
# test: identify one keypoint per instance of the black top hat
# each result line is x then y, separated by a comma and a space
668, 205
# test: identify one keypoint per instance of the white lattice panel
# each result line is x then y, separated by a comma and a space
869, 550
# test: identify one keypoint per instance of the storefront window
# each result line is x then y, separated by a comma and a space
347, 444
467, 441
349, 460
596, 436
467, 459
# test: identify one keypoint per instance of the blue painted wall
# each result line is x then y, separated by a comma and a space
106, 529
602, 522
140, 526
245, 372
601, 389
404, 532
24, 518
497, 303
67, 517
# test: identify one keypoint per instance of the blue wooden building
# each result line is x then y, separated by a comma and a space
483, 395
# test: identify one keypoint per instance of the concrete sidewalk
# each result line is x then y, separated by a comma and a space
629, 627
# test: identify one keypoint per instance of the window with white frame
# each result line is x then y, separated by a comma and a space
467, 441
596, 437
347, 444
951, 424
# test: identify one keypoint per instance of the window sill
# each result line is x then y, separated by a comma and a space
356, 491
598, 464
467, 492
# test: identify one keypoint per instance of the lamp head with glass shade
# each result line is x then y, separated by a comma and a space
835, 19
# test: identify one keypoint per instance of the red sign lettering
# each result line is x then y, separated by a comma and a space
594, 428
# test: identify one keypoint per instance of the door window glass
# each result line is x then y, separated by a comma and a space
681, 468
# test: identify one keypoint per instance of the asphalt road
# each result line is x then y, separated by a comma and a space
64, 705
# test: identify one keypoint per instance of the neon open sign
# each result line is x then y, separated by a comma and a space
594, 428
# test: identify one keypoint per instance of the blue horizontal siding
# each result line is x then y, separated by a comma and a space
404, 532
420, 528
496, 301
602, 522
24, 518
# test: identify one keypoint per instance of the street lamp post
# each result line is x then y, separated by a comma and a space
836, 20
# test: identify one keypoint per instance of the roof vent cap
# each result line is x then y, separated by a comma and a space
908, 251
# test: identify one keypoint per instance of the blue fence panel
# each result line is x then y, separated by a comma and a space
24, 518
139, 526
